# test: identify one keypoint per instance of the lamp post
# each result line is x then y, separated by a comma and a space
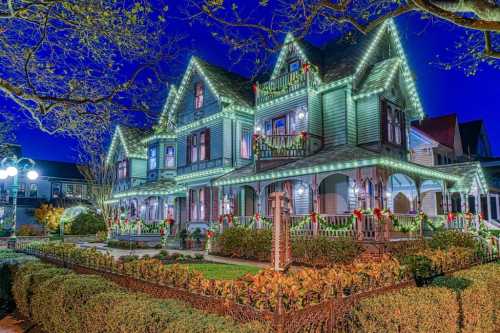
13, 167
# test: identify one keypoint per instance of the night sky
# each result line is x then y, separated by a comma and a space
441, 91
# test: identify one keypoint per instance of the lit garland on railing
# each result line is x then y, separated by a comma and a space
297, 143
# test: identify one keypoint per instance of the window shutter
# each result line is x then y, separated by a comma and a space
188, 150
215, 203
402, 121
190, 204
383, 120
206, 202
207, 144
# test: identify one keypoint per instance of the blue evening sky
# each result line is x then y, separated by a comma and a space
442, 92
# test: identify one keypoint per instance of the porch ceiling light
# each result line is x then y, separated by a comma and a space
3, 174
32, 175
301, 190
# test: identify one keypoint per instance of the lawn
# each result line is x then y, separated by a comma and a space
223, 271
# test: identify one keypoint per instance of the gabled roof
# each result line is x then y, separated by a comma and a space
166, 121
442, 129
130, 139
417, 134
470, 133
468, 171
226, 85
380, 76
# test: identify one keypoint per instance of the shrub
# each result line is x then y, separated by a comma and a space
101, 236
87, 223
28, 230
73, 303
245, 243
21, 287
452, 238
402, 249
323, 251
65, 298
480, 301
430, 309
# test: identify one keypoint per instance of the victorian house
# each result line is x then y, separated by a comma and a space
330, 128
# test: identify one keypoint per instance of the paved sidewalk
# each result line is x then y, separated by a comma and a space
151, 252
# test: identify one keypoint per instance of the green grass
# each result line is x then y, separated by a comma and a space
223, 271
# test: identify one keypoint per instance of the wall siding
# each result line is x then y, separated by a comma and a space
334, 117
351, 119
368, 119
315, 114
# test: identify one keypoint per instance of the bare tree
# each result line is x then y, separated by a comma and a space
98, 174
257, 29
71, 65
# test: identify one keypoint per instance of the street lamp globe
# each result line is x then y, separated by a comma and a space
11, 171
3, 174
32, 175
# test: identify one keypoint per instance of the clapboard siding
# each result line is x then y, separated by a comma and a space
185, 110
351, 118
334, 117
368, 119
227, 145
315, 115
241, 126
138, 168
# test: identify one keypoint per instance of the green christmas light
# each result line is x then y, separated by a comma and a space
174, 190
118, 135
204, 121
205, 173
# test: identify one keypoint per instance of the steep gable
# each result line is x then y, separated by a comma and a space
129, 138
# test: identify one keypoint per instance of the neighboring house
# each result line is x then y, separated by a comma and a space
330, 128
59, 183
444, 133
475, 140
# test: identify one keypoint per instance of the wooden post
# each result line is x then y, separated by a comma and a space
281, 254
359, 228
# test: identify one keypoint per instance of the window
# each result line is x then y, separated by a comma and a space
22, 190
68, 190
122, 169
390, 126
78, 190
198, 95
33, 190
203, 146
194, 148
245, 144
397, 128
293, 65
439, 159
169, 157
56, 190
152, 158
201, 196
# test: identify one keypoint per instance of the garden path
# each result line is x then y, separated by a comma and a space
151, 252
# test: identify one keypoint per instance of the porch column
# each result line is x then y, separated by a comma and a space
488, 205
463, 202
315, 194
498, 206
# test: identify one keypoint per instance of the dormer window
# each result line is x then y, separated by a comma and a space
293, 65
393, 124
152, 158
198, 95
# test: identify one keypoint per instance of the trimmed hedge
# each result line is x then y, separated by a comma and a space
478, 289
253, 244
430, 309
452, 238
62, 302
323, 251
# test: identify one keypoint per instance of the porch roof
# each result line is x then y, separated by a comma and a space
332, 159
467, 171
157, 188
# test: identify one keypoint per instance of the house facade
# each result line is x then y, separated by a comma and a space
330, 128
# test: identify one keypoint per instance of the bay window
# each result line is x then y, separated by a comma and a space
152, 158
169, 157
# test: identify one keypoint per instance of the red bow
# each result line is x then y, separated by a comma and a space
314, 217
254, 87
305, 67
210, 234
257, 217
358, 214
450, 217
378, 213
162, 232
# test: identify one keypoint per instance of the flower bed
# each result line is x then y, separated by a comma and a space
297, 289
64, 302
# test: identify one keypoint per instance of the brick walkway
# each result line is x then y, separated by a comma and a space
151, 252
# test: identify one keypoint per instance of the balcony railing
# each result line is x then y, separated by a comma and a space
291, 146
281, 86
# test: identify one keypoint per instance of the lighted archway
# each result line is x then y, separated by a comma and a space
246, 201
402, 204
297, 191
334, 194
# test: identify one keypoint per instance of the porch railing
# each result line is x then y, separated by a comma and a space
286, 146
281, 86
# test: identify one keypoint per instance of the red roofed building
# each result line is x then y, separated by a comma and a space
444, 131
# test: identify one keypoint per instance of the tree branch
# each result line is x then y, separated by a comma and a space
488, 49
